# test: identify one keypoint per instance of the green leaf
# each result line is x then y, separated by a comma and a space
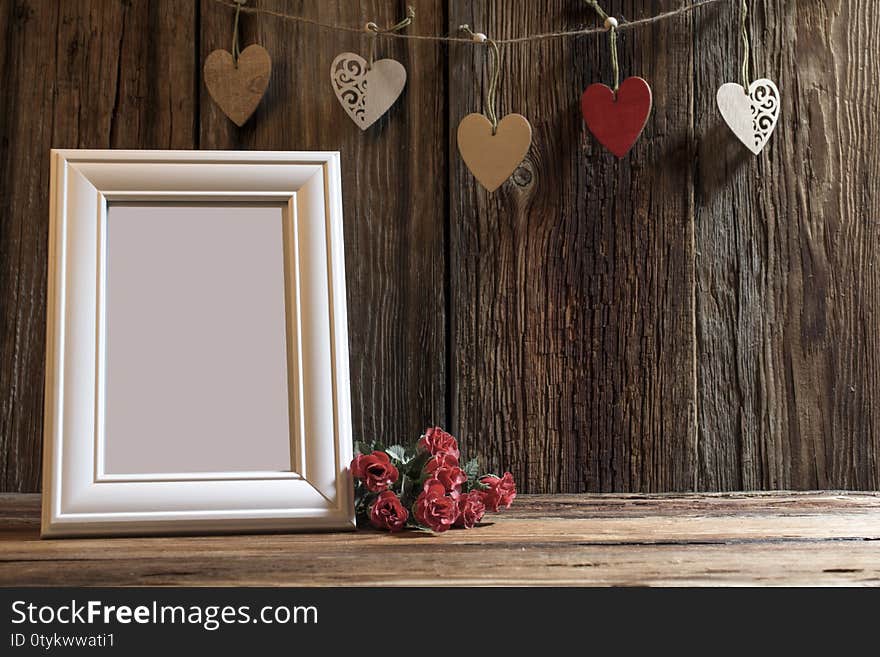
362, 447
397, 452
472, 469
413, 467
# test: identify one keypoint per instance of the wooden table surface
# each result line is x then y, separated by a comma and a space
659, 540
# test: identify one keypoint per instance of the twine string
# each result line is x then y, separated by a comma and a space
493, 84
494, 73
612, 28
744, 12
615, 65
235, 46
375, 31
595, 5
531, 38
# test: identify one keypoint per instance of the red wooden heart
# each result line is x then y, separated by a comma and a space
617, 121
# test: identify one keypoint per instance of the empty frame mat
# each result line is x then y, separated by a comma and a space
195, 340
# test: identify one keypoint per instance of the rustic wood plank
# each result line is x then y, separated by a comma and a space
571, 300
28, 30
553, 323
851, 563
394, 193
787, 266
90, 75
816, 538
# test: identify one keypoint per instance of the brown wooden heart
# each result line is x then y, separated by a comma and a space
492, 158
238, 89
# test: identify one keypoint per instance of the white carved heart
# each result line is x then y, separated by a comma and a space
366, 92
752, 116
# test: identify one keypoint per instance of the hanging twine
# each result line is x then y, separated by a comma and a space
745, 37
236, 51
374, 31
531, 38
495, 68
611, 25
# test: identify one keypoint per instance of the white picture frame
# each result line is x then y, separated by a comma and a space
79, 497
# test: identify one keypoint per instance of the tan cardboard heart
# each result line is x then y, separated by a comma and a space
238, 90
366, 92
492, 158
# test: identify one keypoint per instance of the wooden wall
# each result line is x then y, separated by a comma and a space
689, 318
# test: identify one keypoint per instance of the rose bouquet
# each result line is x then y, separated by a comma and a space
426, 487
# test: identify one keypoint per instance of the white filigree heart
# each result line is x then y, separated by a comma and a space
752, 116
366, 92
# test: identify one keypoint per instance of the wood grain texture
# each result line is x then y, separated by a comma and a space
559, 540
690, 317
787, 248
74, 75
571, 302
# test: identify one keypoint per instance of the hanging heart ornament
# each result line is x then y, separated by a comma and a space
752, 115
238, 89
492, 158
617, 120
366, 92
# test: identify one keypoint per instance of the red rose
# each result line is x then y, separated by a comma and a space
444, 468
375, 469
501, 491
471, 508
434, 508
441, 461
435, 441
388, 513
